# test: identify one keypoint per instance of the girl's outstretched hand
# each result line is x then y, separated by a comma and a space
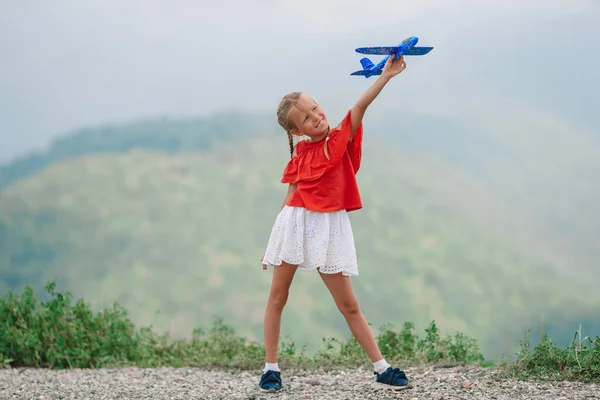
393, 66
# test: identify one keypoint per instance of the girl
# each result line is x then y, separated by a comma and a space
313, 231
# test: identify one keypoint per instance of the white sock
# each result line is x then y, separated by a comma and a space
272, 367
381, 365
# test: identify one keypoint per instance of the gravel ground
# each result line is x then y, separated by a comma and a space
463, 382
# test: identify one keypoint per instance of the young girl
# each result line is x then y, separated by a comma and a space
313, 231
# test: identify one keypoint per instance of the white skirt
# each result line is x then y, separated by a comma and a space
312, 240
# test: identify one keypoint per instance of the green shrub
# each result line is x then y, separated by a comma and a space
578, 361
62, 334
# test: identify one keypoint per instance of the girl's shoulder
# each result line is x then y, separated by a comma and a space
306, 145
308, 162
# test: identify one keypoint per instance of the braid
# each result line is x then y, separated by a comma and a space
291, 139
283, 111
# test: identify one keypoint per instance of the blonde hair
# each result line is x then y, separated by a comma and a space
283, 112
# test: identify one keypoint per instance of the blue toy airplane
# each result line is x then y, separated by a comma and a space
406, 48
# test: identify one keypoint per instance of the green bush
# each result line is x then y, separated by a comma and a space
61, 333
578, 361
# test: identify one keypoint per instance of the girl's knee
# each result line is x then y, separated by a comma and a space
278, 299
349, 308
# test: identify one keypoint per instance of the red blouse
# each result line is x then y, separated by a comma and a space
327, 184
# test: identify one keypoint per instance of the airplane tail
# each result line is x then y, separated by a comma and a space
366, 63
366, 68
366, 73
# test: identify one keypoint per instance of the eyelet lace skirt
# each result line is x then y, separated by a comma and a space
313, 240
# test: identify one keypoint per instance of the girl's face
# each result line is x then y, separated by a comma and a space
308, 119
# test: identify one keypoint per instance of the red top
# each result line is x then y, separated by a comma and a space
327, 184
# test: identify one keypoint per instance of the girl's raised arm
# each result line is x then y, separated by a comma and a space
392, 68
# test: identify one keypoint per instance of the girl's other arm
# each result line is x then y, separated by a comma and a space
392, 68
291, 189
292, 186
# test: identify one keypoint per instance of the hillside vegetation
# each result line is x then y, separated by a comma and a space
175, 234
543, 168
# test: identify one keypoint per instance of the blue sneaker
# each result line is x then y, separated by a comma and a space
270, 381
392, 378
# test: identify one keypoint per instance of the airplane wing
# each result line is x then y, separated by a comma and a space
387, 50
418, 51
382, 50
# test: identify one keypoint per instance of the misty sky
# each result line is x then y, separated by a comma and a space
71, 64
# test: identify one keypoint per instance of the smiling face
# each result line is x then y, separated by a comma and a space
307, 118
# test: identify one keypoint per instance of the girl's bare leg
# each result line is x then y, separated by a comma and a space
341, 290
282, 279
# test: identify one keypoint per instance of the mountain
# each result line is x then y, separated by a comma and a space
541, 167
175, 230
167, 135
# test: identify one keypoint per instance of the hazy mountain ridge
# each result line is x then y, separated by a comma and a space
164, 134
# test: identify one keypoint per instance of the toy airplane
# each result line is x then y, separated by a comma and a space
406, 48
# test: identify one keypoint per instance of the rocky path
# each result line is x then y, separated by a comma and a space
463, 382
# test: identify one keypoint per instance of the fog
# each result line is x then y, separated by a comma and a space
68, 64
